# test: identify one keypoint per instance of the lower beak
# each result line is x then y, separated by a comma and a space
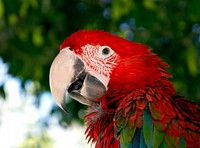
69, 78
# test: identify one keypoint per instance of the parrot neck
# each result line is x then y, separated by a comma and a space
100, 129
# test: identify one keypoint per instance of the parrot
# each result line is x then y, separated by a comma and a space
131, 101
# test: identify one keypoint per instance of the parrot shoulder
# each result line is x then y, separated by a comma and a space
150, 118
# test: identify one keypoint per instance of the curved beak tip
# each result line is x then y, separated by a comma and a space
60, 75
63, 107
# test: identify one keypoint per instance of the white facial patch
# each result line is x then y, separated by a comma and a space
99, 61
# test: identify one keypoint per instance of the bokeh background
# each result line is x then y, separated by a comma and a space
31, 32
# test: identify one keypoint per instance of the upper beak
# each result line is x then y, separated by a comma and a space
69, 78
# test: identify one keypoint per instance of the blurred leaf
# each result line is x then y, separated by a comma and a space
121, 8
12, 19
37, 36
1, 8
150, 4
192, 62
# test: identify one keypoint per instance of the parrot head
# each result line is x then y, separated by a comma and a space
95, 64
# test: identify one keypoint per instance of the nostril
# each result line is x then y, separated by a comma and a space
77, 85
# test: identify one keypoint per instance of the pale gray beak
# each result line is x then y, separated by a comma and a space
69, 78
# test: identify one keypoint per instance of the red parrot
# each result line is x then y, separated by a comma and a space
131, 101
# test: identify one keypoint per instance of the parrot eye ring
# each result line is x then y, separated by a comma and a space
105, 52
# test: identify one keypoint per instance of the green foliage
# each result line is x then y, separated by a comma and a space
31, 32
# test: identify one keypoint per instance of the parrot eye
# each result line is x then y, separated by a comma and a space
105, 51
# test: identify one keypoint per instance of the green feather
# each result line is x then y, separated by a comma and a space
157, 115
142, 142
120, 123
148, 129
170, 141
182, 143
157, 138
153, 138
126, 135
163, 144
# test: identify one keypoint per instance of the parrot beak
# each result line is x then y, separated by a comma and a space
69, 79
